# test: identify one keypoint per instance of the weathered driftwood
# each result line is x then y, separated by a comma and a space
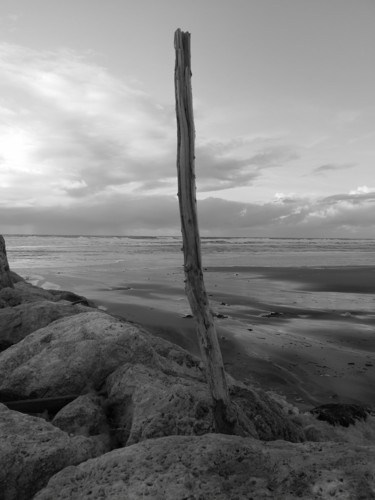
34, 406
194, 283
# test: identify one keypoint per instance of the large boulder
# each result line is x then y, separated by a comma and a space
76, 354
19, 321
147, 402
5, 277
32, 450
218, 467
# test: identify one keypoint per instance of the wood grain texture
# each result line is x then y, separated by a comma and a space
194, 282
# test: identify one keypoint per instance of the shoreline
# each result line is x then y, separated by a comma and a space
306, 333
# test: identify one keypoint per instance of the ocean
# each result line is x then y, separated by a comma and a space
48, 251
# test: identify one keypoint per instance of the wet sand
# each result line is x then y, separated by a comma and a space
306, 333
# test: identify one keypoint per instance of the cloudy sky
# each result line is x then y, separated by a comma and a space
284, 107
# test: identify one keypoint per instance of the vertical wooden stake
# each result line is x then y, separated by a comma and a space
194, 283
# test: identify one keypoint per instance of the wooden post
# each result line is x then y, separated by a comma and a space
194, 283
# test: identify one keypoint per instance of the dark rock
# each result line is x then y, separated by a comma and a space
71, 297
16, 278
5, 276
266, 414
32, 450
341, 414
9, 297
26, 292
273, 314
85, 416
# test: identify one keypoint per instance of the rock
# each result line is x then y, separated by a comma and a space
218, 467
341, 414
71, 297
154, 388
16, 278
145, 402
19, 321
76, 354
9, 297
30, 293
268, 417
5, 277
84, 416
312, 433
32, 450
274, 314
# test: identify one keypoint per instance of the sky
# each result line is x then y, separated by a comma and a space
284, 109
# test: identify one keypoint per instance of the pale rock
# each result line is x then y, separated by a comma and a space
218, 467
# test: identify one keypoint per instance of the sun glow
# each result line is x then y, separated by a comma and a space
15, 150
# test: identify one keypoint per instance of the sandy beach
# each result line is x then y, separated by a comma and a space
304, 332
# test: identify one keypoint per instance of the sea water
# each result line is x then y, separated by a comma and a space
48, 251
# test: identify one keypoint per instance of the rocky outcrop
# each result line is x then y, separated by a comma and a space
218, 467
32, 450
153, 388
5, 277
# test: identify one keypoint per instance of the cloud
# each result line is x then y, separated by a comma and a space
65, 119
218, 169
112, 213
70, 129
83, 152
332, 167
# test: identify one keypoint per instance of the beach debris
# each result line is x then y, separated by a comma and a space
221, 316
187, 316
341, 414
273, 314
32, 406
